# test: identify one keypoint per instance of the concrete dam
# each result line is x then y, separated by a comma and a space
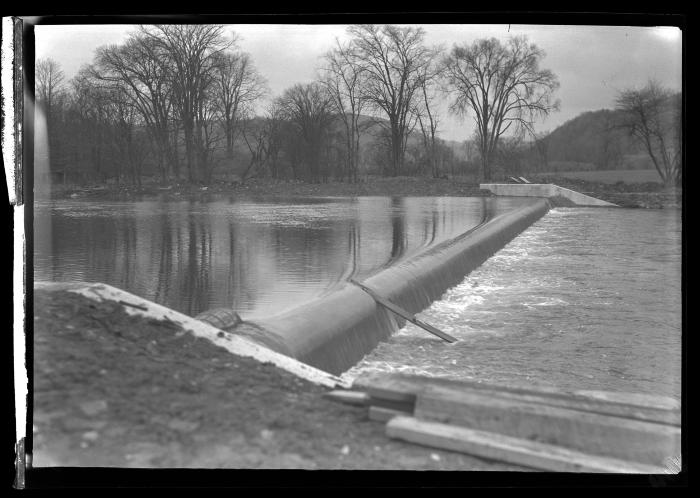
336, 331
348, 310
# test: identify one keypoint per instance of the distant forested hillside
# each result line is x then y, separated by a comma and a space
594, 140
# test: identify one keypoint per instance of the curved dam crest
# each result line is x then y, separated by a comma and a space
336, 331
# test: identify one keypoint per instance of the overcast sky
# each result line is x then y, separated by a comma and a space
592, 62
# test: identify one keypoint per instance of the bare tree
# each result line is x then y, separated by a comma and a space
238, 86
653, 116
209, 134
342, 75
502, 85
189, 53
610, 149
106, 126
510, 155
274, 124
138, 66
48, 82
91, 102
256, 138
308, 107
392, 59
540, 143
121, 122
428, 119
129, 142
49, 92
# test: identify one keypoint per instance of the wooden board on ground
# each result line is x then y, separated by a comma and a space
388, 387
508, 449
404, 388
595, 433
380, 414
348, 397
635, 399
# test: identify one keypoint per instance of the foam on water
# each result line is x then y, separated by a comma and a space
583, 299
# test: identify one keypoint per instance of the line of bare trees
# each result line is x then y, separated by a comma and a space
170, 94
653, 116
184, 101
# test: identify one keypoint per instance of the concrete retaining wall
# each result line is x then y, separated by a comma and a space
543, 190
335, 332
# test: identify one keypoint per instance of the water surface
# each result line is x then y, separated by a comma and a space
259, 257
586, 298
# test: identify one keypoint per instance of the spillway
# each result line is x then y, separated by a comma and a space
337, 330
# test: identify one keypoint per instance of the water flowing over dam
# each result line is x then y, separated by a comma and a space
283, 265
586, 283
334, 332
585, 298
258, 257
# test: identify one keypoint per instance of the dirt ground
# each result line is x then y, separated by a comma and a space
116, 390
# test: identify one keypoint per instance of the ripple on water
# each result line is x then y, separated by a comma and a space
583, 299
257, 256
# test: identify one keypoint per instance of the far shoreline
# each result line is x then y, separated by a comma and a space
648, 195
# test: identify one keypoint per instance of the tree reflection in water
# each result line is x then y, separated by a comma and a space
258, 258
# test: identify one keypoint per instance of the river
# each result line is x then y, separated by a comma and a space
585, 298
257, 256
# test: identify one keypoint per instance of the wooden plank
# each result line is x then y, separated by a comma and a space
380, 414
387, 387
590, 432
508, 449
403, 387
404, 314
635, 399
585, 404
348, 397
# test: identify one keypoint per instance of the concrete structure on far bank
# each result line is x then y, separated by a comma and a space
546, 190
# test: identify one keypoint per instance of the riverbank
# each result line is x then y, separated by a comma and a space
373, 186
647, 195
117, 390
637, 195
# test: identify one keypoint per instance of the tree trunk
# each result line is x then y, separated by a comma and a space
485, 163
229, 139
189, 153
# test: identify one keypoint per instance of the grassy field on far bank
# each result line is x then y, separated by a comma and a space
611, 176
634, 192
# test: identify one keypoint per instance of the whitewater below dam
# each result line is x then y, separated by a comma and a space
585, 298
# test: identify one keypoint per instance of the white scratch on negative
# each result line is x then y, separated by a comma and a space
8, 106
20, 342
